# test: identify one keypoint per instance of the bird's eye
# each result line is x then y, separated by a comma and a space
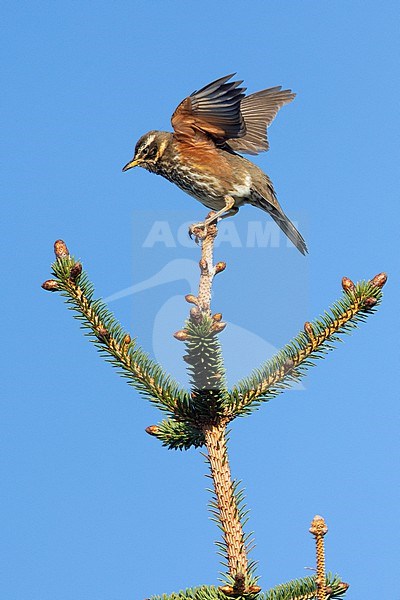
152, 152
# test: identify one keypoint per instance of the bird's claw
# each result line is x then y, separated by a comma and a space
198, 231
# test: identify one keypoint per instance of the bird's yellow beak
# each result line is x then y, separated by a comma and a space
131, 164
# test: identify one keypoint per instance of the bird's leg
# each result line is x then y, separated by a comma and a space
229, 210
229, 213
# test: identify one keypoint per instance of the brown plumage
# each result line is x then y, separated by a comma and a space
211, 126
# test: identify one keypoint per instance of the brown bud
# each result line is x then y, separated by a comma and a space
203, 265
151, 429
60, 249
344, 586
318, 526
102, 333
127, 340
308, 328
254, 589
75, 271
217, 317
379, 280
227, 590
191, 299
348, 285
51, 285
218, 326
370, 302
288, 365
195, 314
240, 582
181, 335
219, 267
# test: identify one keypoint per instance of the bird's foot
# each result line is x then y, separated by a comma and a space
198, 231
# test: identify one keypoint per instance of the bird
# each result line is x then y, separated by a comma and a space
212, 128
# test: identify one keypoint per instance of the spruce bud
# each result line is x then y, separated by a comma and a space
348, 285
127, 339
308, 328
203, 265
288, 365
220, 266
191, 299
75, 272
227, 590
51, 285
102, 333
240, 583
370, 302
218, 326
151, 429
195, 314
60, 249
181, 335
379, 280
318, 526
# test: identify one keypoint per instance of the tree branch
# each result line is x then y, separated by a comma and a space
209, 401
109, 337
225, 507
312, 343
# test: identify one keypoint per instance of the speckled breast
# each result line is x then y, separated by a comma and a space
203, 186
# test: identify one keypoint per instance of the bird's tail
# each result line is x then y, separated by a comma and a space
273, 208
289, 229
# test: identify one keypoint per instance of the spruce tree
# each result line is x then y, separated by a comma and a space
199, 417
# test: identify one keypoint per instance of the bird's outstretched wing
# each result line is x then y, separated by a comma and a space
214, 112
258, 111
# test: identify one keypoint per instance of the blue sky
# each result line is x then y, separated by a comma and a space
92, 508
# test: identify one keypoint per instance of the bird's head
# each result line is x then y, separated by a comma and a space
148, 151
